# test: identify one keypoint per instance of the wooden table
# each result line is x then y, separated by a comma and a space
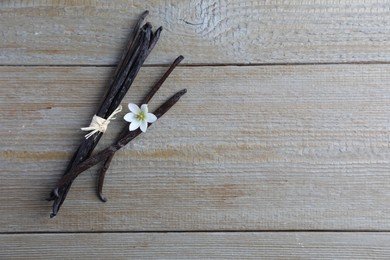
280, 148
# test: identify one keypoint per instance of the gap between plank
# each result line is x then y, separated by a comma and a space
209, 64
197, 231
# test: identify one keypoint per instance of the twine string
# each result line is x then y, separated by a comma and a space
99, 124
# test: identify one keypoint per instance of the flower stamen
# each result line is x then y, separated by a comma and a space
140, 116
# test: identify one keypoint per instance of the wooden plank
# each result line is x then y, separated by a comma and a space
247, 148
94, 31
280, 245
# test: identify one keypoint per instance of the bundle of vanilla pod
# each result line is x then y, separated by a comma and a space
137, 50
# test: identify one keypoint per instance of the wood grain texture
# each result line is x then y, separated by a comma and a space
93, 31
280, 245
247, 148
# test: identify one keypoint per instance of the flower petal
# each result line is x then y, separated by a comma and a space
129, 117
144, 108
150, 118
144, 126
134, 108
134, 125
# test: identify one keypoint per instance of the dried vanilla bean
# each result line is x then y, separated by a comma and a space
125, 130
136, 52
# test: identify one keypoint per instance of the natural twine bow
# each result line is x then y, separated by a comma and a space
99, 124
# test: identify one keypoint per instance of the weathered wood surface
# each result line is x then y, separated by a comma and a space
280, 245
94, 31
248, 148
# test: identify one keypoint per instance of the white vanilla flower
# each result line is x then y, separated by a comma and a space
139, 117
